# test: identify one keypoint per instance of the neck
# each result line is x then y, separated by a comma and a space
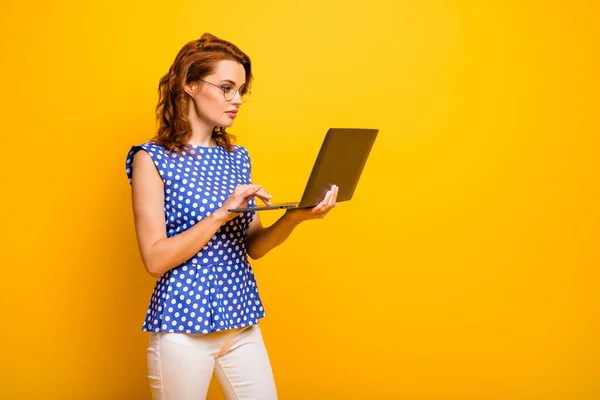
201, 131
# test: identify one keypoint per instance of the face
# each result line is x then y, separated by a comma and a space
209, 104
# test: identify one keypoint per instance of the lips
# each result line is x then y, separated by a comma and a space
231, 113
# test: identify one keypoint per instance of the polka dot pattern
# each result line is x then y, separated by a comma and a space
216, 288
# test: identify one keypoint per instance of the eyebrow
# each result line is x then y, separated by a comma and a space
230, 81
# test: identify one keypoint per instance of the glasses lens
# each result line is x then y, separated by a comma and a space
229, 92
233, 90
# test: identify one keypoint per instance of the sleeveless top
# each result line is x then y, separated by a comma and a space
216, 288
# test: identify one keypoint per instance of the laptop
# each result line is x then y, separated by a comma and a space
340, 162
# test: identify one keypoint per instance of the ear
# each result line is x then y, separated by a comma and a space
190, 88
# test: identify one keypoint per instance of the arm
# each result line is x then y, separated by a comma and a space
159, 253
262, 240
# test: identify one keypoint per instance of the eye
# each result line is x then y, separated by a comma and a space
243, 90
226, 88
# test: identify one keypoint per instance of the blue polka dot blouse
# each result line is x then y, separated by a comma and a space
215, 289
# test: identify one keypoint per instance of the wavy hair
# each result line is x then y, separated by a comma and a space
194, 61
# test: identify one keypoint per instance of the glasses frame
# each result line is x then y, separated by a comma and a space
237, 91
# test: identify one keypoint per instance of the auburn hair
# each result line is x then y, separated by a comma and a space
194, 61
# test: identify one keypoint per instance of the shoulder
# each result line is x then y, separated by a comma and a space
242, 158
241, 152
153, 157
157, 153
150, 148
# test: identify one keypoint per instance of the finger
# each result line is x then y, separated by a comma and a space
250, 191
318, 209
264, 196
251, 194
329, 198
239, 189
327, 204
263, 193
321, 206
332, 198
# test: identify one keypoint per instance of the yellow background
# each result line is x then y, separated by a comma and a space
466, 266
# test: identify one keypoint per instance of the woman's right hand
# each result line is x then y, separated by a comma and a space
241, 196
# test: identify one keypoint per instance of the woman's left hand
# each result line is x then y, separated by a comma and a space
318, 211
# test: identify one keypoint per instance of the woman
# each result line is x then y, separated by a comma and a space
205, 307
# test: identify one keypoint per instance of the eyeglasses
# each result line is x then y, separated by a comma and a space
230, 89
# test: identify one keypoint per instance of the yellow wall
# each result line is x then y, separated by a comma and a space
466, 266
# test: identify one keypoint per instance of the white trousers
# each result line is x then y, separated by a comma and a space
180, 365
